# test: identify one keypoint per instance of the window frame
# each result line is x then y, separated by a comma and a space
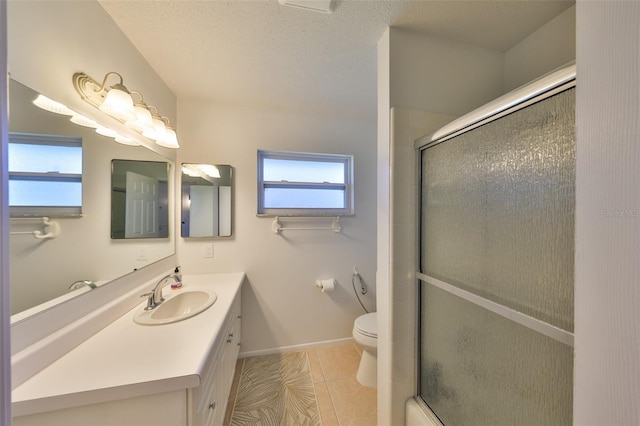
347, 186
48, 211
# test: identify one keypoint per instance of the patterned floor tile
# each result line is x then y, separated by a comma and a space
276, 390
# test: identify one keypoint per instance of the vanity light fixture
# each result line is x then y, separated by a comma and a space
125, 140
201, 170
210, 170
52, 106
187, 171
105, 131
161, 131
56, 107
143, 120
157, 128
81, 120
117, 102
168, 138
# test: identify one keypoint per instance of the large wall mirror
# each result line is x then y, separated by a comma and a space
206, 194
43, 270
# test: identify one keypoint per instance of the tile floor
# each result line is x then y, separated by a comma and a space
341, 399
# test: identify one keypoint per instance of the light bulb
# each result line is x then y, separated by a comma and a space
210, 170
52, 106
143, 119
125, 140
81, 120
187, 171
168, 139
157, 131
118, 103
104, 131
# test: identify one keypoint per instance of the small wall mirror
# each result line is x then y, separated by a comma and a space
139, 199
206, 200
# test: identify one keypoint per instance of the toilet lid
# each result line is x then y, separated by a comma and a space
367, 324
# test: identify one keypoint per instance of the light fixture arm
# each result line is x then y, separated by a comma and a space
89, 90
141, 101
106, 77
166, 121
154, 111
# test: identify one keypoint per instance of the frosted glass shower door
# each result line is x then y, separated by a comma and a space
496, 269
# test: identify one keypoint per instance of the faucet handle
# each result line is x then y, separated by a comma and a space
150, 301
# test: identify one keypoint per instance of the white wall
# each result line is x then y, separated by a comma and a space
50, 41
546, 49
281, 305
607, 296
417, 73
438, 75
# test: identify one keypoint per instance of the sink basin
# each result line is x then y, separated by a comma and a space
178, 307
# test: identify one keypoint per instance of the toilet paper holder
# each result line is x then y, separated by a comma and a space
327, 286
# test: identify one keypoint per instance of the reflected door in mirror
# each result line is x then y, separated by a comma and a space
139, 199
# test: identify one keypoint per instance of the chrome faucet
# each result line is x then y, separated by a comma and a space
80, 283
155, 296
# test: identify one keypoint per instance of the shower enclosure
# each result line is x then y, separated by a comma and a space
496, 266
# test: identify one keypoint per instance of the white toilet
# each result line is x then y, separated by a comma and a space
365, 333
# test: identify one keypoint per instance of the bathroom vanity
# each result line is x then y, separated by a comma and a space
130, 374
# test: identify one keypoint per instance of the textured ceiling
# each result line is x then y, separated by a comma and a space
260, 53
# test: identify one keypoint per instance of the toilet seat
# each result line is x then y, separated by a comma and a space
367, 325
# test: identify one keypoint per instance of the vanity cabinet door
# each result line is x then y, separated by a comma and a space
208, 406
225, 370
208, 402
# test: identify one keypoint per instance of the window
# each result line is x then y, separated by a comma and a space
45, 175
304, 184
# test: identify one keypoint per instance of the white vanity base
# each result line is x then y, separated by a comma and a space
162, 409
129, 374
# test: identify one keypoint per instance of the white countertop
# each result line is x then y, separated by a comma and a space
126, 359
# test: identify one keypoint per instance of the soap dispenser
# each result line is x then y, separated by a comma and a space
177, 281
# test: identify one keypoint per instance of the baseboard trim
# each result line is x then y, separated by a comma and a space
295, 348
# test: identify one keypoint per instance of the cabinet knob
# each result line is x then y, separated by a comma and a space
230, 334
212, 406
229, 340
